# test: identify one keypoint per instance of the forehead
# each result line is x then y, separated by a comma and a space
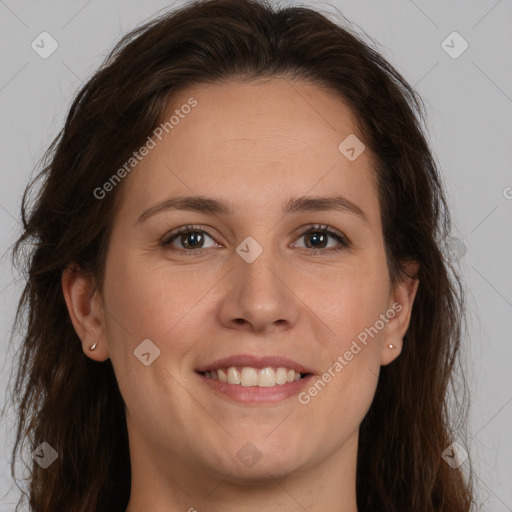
253, 143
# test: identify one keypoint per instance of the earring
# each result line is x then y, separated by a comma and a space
92, 347
391, 347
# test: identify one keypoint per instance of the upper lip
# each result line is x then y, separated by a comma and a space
254, 362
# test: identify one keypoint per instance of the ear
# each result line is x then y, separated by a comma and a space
400, 302
86, 311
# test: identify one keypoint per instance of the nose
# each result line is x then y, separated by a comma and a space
259, 296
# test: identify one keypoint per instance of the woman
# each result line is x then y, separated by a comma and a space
237, 294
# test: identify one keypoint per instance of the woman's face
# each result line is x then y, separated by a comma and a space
247, 288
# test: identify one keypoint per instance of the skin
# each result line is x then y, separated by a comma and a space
255, 145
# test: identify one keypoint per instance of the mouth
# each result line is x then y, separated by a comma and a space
248, 376
249, 379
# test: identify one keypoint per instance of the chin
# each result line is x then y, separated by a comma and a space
260, 459
267, 468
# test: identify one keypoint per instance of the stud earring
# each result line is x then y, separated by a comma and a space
391, 347
92, 347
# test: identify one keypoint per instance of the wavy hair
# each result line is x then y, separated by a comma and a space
65, 399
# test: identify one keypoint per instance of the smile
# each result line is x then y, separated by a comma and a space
251, 379
248, 376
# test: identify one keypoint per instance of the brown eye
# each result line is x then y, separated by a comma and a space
188, 238
317, 237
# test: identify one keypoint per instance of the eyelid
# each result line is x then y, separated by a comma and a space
183, 229
343, 240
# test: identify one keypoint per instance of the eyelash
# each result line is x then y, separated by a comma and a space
170, 237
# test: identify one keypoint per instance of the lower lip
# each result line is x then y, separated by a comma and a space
256, 394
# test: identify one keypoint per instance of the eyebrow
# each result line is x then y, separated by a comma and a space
203, 204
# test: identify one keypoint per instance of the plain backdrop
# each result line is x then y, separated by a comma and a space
468, 95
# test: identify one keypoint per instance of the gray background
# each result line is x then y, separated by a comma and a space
469, 107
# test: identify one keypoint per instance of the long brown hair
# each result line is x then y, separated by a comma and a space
69, 401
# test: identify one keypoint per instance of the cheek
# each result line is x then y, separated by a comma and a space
351, 303
146, 305
142, 306
339, 399
353, 352
149, 299
346, 388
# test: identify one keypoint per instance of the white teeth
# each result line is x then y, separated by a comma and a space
248, 376
266, 377
281, 376
233, 375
